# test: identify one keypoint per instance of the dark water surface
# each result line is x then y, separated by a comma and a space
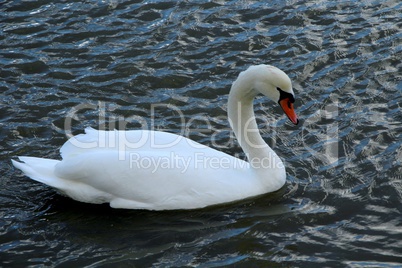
65, 65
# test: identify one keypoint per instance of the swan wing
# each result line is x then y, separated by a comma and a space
126, 141
158, 179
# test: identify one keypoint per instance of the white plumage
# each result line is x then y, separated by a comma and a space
154, 170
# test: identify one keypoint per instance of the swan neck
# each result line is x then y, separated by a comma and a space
263, 161
243, 122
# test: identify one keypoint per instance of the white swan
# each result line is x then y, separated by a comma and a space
153, 170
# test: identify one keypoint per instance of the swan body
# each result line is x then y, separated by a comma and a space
153, 170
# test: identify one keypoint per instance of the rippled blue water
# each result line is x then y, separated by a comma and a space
105, 63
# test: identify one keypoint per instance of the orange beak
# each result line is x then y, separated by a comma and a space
287, 107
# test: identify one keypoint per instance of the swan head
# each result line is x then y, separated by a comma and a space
274, 84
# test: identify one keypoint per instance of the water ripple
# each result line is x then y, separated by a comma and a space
341, 206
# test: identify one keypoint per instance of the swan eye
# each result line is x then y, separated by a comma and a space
285, 95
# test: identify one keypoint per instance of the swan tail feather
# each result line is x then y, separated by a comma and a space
43, 170
39, 169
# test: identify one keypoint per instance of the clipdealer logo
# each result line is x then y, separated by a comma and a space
312, 125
